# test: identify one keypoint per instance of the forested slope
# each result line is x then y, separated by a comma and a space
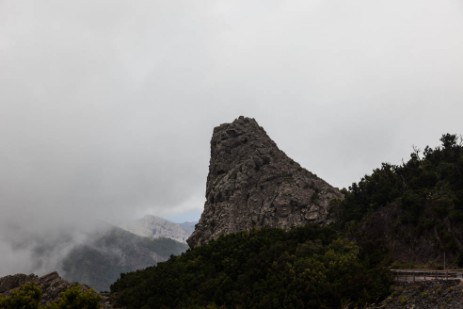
408, 214
306, 267
414, 211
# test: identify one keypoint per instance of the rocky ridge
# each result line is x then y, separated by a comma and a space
105, 255
51, 284
253, 184
156, 227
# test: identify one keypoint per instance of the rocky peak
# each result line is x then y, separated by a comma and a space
157, 227
252, 184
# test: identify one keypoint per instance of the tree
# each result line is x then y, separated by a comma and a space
75, 297
26, 297
448, 140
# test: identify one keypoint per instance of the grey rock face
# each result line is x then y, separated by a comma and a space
13, 281
156, 227
425, 295
51, 284
252, 184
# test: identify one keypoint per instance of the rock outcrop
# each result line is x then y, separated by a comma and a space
253, 184
51, 284
13, 281
425, 295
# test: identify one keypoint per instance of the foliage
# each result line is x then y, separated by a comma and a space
29, 295
304, 268
26, 297
317, 267
75, 297
427, 190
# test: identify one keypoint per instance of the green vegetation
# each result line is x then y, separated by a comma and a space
76, 298
401, 214
28, 296
422, 199
307, 267
435, 180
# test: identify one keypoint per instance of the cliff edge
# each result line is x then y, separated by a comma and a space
253, 184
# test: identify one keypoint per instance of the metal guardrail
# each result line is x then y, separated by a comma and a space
415, 275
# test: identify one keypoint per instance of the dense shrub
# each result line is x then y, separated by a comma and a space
426, 192
318, 267
75, 297
304, 268
28, 296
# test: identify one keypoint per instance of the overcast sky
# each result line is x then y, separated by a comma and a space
107, 107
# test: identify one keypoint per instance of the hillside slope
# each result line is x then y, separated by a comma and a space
415, 210
406, 214
307, 267
99, 261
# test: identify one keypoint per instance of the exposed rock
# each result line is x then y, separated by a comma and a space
156, 227
51, 284
252, 184
426, 295
13, 281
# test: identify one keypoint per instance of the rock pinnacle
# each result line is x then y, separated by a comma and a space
253, 184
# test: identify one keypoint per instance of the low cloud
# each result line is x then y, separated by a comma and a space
107, 109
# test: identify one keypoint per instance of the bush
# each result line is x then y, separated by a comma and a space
304, 268
75, 297
28, 296
421, 201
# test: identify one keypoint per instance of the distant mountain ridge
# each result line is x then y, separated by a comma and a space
113, 250
98, 256
105, 255
188, 226
156, 227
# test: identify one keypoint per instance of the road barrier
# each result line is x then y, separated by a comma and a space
415, 275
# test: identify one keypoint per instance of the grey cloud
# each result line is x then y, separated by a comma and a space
107, 107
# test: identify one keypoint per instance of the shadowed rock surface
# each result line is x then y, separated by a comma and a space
13, 281
252, 184
426, 295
